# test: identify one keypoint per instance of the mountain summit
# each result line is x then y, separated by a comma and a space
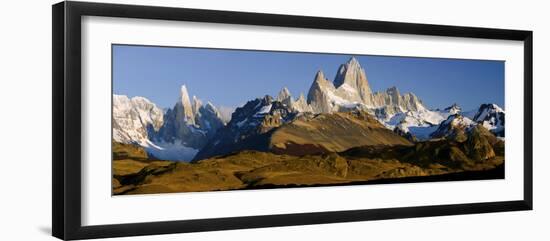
176, 134
186, 105
303, 125
351, 90
351, 77
491, 116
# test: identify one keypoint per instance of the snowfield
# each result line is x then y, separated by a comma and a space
171, 151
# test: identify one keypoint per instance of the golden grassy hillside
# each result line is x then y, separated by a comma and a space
317, 150
253, 169
334, 132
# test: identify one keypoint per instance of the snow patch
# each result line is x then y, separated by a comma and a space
264, 110
171, 151
241, 123
337, 100
422, 133
347, 88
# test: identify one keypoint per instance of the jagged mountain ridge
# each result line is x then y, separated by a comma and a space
284, 132
248, 126
133, 118
492, 117
480, 152
200, 128
351, 90
175, 133
455, 127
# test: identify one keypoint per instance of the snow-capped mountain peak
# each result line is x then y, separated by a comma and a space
454, 126
491, 116
354, 77
350, 90
190, 125
133, 118
453, 109
486, 110
458, 121
173, 134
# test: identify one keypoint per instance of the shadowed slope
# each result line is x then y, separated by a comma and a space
305, 134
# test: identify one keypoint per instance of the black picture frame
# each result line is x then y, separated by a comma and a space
66, 158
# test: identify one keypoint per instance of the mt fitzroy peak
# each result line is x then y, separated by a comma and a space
191, 129
351, 90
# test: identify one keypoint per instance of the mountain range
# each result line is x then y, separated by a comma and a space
335, 116
174, 134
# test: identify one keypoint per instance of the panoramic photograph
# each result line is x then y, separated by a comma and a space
199, 119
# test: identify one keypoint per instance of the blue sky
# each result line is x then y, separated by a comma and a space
231, 77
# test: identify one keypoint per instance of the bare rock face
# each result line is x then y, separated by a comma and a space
269, 122
285, 97
194, 132
351, 79
410, 101
351, 90
392, 97
187, 114
174, 134
209, 119
319, 96
197, 104
178, 129
297, 105
301, 104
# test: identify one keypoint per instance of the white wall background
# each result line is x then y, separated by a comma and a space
25, 140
